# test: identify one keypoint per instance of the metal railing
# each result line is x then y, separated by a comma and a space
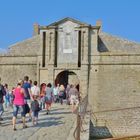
81, 112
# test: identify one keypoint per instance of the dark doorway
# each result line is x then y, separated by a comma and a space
62, 78
67, 77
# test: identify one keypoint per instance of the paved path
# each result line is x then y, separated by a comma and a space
55, 126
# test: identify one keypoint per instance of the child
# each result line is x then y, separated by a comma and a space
12, 97
35, 110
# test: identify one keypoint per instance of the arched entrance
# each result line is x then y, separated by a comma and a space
67, 77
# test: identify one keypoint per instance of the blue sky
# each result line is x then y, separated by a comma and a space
119, 17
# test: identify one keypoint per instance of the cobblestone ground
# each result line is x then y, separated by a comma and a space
55, 126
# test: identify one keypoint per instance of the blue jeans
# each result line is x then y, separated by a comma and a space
16, 108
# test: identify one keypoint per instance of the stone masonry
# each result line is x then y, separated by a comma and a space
107, 67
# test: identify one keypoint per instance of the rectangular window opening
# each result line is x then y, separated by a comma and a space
44, 49
79, 49
55, 52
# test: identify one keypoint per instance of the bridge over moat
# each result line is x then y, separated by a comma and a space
55, 126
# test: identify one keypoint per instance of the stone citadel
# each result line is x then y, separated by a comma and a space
106, 67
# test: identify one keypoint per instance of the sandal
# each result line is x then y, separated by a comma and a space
25, 126
14, 129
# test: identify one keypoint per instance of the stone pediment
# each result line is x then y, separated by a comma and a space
68, 19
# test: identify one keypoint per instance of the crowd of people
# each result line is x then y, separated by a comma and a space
30, 98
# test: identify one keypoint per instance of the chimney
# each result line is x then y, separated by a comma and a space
36, 29
99, 23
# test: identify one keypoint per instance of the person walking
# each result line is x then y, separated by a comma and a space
61, 93
35, 90
42, 95
48, 99
35, 109
2, 93
18, 104
74, 94
55, 93
7, 96
67, 94
28, 96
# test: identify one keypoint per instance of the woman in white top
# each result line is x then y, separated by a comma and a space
35, 90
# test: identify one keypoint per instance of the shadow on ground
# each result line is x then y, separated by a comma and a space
99, 132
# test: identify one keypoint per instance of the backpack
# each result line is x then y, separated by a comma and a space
1, 93
35, 106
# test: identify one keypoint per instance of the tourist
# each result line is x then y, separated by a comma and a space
2, 93
48, 99
11, 93
42, 95
35, 109
55, 93
30, 82
61, 93
28, 96
35, 90
74, 94
67, 94
18, 104
7, 96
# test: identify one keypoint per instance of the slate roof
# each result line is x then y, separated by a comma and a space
113, 44
27, 47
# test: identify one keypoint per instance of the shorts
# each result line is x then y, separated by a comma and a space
73, 100
48, 100
35, 114
17, 108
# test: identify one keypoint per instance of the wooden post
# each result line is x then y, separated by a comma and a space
78, 127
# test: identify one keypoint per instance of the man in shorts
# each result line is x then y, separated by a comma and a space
28, 96
73, 93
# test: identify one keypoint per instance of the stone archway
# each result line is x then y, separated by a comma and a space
67, 77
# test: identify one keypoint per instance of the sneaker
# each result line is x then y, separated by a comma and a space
1, 119
48, 111
29, 120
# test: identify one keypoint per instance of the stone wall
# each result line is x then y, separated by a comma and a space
44, 76
67, 43
114, 82
10, 74
20, 60
114, 79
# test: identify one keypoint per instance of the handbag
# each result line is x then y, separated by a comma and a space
27, 109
